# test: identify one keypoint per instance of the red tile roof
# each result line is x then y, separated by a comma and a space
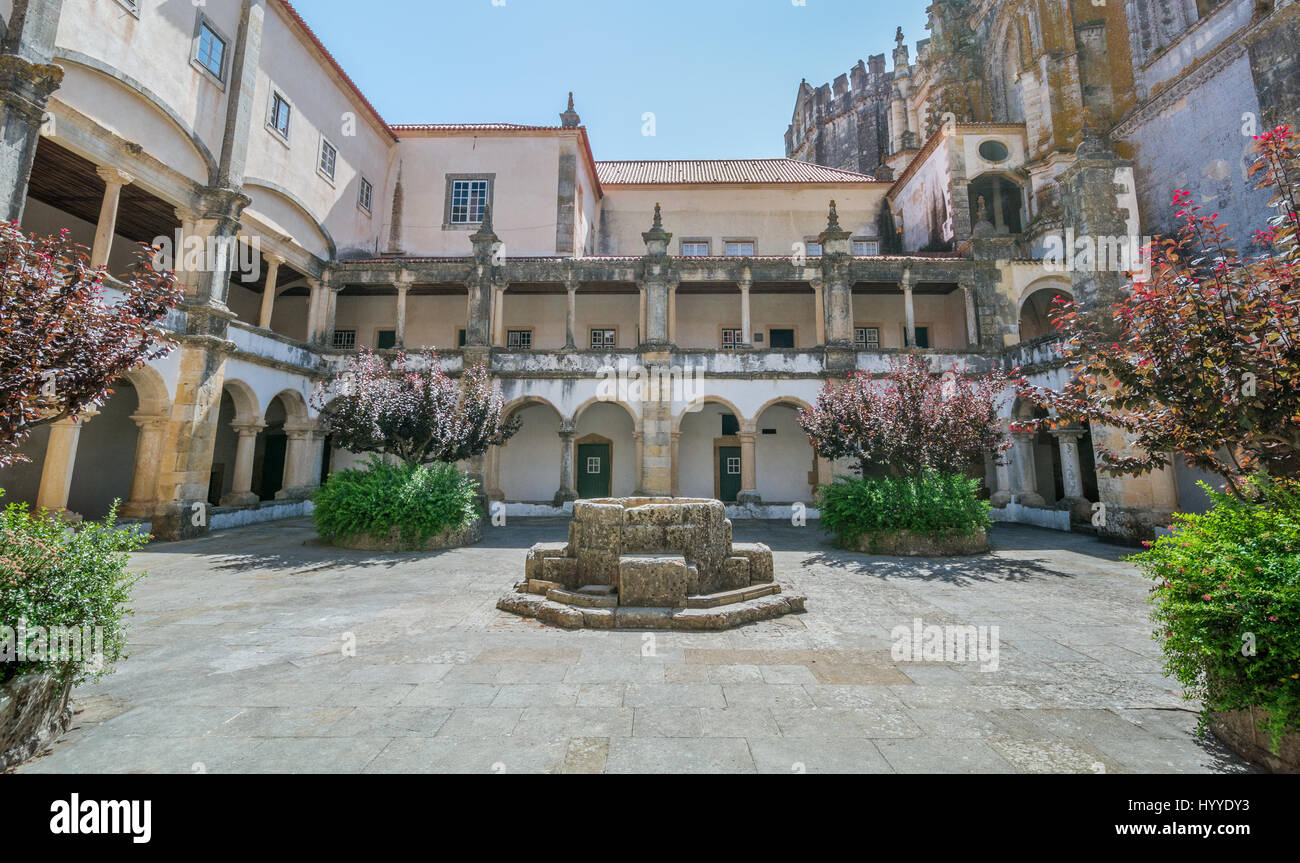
654, 173
472, 127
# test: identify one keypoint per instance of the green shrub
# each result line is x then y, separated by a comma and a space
54, 576
1227, 603
936, 504
418, 500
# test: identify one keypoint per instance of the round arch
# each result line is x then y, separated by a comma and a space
597, 400
298, 205
523, 402
717, 400
789, 401
245, 400
295, 406
151, 391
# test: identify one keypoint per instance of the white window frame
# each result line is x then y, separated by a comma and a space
270, 115
606, 344
596, 460
809, 245
695, 242
365, 195
733, 465
344, 339
737, 338
864, 344
728, 244
519, 334
204, 22
873, 244
488, 181
320, 159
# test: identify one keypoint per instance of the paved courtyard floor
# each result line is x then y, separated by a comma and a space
262, 650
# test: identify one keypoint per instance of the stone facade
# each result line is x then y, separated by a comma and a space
746, 284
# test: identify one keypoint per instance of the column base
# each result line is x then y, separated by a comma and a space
1030, 498
176, 520
136, 509
565, 495
246, 498
1080, 507
999, 499
294, 493
749, 497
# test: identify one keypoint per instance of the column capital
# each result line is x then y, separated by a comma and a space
114, 176
144, 421
567, 429
1069, 433
246, 429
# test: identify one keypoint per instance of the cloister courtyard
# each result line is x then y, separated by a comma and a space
262, 649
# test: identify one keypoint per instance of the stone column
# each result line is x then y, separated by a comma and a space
241, 486
641, 315
1002, 468
672, 313
499, 315
567, 491
819, 310
314, 315
298, 458
1026, 464
1071, 472
144, 477
273, 263
401, 315
478, 314
114, 180
745, 284
60, 459
972, 320
909, 309
571, 316
676, 456
655, 283
27, 78
331, 315
837, 288
748, 470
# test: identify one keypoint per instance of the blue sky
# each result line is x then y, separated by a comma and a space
719, 75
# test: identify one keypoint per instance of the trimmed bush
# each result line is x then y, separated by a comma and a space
934, 504
54, 576
418, 501
1227, 603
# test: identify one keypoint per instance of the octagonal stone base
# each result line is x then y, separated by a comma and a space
650, 563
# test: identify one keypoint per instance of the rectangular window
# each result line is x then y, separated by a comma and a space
345, 339
603, 339
281, 111
329, 158
733, 466
365, 194
695, 249
739, 249
866, 338
520, 340
923, 337
732, 339
468, 198
211, 51
814, 250
866, 247
593, 464
781, 338
460, 337
386, 340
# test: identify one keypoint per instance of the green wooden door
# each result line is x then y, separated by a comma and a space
593, 470
729, 473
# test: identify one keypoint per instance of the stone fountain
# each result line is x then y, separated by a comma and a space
650, 563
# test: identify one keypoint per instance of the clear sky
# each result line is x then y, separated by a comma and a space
719, 75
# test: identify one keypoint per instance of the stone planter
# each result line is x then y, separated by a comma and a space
34, 709
1239, 731
452, 537
905, 543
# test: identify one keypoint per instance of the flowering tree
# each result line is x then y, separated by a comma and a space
1204, 359
62, 344
911, 421
413, 411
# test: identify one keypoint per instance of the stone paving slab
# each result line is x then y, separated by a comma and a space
262, 650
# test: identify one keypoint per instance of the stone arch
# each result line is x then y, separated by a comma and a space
1033, 315
299, 206
151, 391
597, 400
528, 468
718, 400
790, 401
295, 406
523, 402
245, 400
1003, 195
612, 423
